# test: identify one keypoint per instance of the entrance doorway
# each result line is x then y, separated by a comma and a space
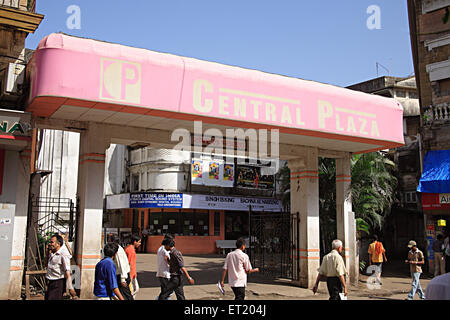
272, 244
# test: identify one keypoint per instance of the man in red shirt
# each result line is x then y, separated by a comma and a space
130, 250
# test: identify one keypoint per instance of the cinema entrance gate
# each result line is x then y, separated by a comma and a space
112, 93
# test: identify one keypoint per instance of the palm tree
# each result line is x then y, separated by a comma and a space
373, 188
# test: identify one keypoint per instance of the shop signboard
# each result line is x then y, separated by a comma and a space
436, 201
200, 201
156, 200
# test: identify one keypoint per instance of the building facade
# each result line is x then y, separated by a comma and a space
197, 198
430, 43
405, 221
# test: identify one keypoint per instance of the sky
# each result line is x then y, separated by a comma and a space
327, 41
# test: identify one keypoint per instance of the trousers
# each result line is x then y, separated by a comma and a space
175, 284
239, 293
416, 287
334, 286
439, 263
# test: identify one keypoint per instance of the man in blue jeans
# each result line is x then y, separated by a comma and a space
416, 260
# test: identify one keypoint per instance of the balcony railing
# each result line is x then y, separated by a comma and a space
24, 5
437, 114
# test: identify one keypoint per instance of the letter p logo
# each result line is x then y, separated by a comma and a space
120, 80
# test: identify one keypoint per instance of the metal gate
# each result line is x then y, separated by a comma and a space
47, 217
273, 241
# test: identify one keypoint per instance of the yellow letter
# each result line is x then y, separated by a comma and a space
351, 124
325, 111
286, 115
256, 105
240, 107
363, 125
197, 97
270, 112
338, 125
222, 105
375, 131
299, 119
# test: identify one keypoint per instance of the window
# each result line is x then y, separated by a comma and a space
179, 223
135, 182
413, 95
410, 197
400, 94
217, 223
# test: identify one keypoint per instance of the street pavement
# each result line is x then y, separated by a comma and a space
207, 269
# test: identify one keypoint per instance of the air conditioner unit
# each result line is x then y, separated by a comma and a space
13, 79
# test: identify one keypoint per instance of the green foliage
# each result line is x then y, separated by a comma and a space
43, 240
362, 266
362, 226
372, 192
372, 189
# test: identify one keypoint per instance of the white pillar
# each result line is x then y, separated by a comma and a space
344, 214
305, 200
91, 173
20, 225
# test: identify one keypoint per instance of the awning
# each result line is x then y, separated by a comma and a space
436, 172
86, 80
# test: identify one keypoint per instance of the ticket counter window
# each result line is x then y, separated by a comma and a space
179, 223
236, 225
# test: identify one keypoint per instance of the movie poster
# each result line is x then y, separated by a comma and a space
228, 172
251, 177
214, 170
197, 169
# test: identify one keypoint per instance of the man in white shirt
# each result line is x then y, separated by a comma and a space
58, 268
163, 257
237, 265
123, 270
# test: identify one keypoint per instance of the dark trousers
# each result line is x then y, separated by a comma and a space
125, 292
163, 282
144, 244
175, 284
55, 289
239, 293
447, 263
334, 286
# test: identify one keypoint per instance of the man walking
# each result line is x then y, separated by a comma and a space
122, 270
237, 265
130, 251
176, 268
377, 254
439, 260
105, 284
58, 270
447, 252
415, 260
163, 257
333, 268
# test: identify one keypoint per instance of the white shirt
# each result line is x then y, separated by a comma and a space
238, 264
58, 264
163, 267
439, 288
122, 264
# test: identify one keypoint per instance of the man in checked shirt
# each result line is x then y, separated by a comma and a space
176, 268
